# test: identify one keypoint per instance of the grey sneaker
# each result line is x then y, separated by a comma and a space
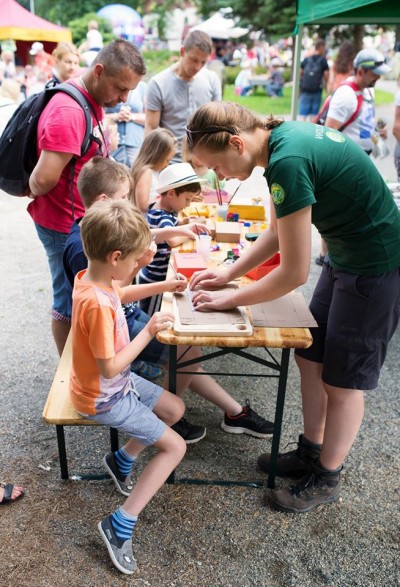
295, 463
123, 484
120, 552
319, 487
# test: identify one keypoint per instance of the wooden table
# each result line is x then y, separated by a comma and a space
267, 338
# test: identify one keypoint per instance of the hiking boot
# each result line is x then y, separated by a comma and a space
120, 551
123, 484
319, 487
248, 422
190, 433
295, 463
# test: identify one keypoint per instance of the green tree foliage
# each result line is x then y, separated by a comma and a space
274, 17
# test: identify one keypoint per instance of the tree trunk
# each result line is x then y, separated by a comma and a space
359, 32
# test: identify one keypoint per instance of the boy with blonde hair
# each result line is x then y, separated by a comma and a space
100, 179
102, 386
106, 179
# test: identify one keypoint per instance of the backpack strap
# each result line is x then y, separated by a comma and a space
360, 99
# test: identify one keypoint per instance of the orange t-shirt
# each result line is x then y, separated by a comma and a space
99, 331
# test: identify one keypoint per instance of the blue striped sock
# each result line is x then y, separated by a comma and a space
123, 524
124, 461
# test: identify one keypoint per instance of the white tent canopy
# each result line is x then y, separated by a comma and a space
219, 27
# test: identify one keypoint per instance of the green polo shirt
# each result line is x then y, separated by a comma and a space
352, 207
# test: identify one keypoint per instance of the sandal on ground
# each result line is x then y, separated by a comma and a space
7, 495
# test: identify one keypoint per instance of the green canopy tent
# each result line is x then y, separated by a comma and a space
336, 12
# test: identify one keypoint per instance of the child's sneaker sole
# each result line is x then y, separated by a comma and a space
240, 430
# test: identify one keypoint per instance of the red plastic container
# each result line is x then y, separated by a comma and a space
188, 263
265, 268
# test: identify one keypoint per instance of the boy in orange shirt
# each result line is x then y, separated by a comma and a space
103, 388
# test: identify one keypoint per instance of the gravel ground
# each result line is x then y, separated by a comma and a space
188, 536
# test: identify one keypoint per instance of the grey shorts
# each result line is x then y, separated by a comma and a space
357, 316
134, 415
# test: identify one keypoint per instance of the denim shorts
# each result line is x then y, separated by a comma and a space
154, 352
309, 103
54, 243
133, 415
357, 316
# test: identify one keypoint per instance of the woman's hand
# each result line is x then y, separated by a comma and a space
208, 279
216, 301
159, 321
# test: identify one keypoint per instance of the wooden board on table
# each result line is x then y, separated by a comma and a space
289, 311
191, 322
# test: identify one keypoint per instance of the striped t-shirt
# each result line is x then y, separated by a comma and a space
157, 269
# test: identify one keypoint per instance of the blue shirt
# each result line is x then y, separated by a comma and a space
74, 260
131, 134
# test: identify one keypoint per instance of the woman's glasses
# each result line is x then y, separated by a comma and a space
211, 130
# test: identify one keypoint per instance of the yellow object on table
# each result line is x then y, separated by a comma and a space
247, 211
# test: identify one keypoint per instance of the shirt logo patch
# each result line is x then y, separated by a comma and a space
335, 136
277, 193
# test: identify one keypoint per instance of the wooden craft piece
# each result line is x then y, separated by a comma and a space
189, 321
228, 232
289, 311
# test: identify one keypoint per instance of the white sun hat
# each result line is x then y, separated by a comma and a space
36, 48
176, 175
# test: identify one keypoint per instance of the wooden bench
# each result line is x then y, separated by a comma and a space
60, 412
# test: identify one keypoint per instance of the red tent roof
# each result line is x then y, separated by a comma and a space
21, 25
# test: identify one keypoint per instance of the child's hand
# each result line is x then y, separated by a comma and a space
199, 228
198, 198
179, 284
159, 321
147, 258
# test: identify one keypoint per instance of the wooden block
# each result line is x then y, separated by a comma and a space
228, 232
188, 263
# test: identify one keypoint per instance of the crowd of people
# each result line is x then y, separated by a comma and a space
108, 223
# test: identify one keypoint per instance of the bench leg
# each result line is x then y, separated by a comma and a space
280, 402
62, 453
114, 439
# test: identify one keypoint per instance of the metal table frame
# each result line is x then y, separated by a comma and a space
281, 369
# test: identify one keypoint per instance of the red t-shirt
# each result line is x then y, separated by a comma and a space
61, 128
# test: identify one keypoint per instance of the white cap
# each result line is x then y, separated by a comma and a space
36, 47
373, 60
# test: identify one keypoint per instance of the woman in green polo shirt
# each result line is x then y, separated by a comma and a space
315, 176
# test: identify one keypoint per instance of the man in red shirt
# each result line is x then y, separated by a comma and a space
116, 71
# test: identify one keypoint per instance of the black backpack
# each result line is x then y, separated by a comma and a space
311, 80
18, 148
